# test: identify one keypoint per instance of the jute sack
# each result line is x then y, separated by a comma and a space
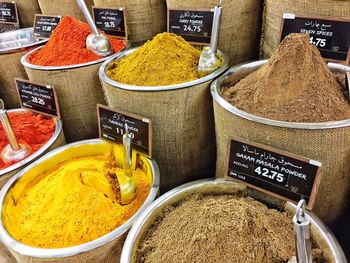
328, 145
78, 90
5, 255
63, 8
274, 10
240, 26
183, 140
11, 68
146, 18
26, 11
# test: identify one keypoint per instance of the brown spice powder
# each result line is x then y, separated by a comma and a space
219, 229
295, 85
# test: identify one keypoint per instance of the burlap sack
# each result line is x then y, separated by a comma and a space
240, 26
274, 10
26, 11
11, 68
63, 8
5, 255
146, 18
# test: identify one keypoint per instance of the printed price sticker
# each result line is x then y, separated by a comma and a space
44, 25
195, 26
281, 174
38, 97
330, 36
111, 125
111, 21
8, 12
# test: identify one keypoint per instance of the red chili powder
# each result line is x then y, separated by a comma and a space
32, 129
67, 45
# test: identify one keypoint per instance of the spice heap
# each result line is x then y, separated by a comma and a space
34, 130
67, 45
220, 228
295, 85
165, 60
72, 203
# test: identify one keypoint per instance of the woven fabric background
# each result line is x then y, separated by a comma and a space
329, 146
11, 68
240, 26
78, 91
146, 18
183, 129
274, 10
26, 11
63, 8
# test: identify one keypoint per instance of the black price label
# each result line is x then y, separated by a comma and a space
38, 97
111, 21
194, 26
287, 176
8, 12
111, 125
44, 25
330, 36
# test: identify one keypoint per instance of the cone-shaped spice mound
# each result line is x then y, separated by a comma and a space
295, 85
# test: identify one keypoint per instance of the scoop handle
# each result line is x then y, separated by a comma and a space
86, 13
6, 124
127, 152
216, 28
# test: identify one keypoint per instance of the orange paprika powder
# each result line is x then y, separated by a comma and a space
32, 129
67, 45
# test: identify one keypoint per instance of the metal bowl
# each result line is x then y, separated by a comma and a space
235, 74
69, 151
38, 153
216, 186
18, 40
105, 78
26, 64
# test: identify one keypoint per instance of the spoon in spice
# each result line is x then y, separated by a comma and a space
209, 60
13, 151
95, 42
127, 185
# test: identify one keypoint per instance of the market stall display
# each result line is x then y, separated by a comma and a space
160, 81
66, 63
302, 110
219, 221
73, 192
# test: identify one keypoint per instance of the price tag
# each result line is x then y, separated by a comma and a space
38, 97
8, 12
281, 174
194, 26
330, 36
111, 125
44, 25
111, 21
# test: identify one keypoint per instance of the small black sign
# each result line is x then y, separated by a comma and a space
44, 25
193, 25
8, 12
287, 176
38, 97
111, 125
330, 36
111, 21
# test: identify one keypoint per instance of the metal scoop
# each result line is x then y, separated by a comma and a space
127, 186
208, 60
95, 42
13, 151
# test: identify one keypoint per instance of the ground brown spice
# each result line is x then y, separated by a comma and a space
219, 229
295, 85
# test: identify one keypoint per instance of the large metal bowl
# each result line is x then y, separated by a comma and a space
69, 151
325, 238
18, 40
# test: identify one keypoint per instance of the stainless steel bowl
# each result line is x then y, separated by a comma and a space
105, 78
216, 186
93, 147
38, 153
17, 40
235, 74
25, 63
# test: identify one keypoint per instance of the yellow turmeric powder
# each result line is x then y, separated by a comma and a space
70, 204
165, 60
